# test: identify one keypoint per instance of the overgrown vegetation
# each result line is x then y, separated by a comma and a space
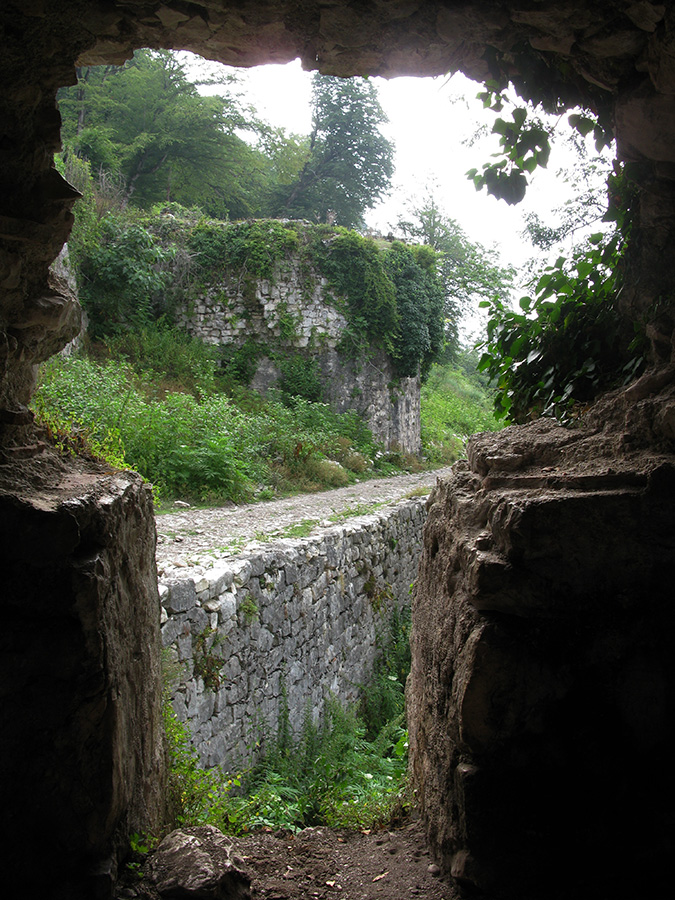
137, 268
568, 341
210, 447
147, 128
343, 771
456, 403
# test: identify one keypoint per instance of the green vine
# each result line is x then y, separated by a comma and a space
250, 249
354, 268
207, 662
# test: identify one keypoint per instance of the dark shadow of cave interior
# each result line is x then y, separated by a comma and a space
541, 696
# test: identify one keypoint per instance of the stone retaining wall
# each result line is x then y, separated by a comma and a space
299, 617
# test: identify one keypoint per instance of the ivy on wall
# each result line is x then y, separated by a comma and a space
390, 294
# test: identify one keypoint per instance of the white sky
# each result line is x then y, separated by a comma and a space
430, 122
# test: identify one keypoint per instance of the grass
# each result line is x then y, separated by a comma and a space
455, 404
206, 449
153, 401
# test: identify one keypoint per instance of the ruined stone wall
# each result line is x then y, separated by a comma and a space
473, 759
302, 616
295, 312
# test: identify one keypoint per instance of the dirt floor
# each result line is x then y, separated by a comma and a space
320, 864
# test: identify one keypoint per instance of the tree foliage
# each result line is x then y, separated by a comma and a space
419, 300
568, 341
525, 140
147, 122
469, 273
350, 162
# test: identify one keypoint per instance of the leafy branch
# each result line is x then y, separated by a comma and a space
567, 342
525, 145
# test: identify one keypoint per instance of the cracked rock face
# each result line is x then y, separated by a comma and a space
542, 665
81, 744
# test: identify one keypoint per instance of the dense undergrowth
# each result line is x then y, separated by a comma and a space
153, 400
347, 770
456, 403
209, 447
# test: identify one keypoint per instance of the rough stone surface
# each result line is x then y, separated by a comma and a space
596, 736
81, 751
542, 665
296, 620
196, 863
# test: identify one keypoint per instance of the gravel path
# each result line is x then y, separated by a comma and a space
193, 538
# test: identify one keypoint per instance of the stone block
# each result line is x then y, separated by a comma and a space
241, 570
172, 629
181, 597
219, 580
227, 609
199, 620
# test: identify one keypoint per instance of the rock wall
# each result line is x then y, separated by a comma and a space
541, 709
81, 740
301, 617
295, 312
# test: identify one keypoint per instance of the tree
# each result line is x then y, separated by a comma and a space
469, 272
419, 300
350, 163
146, 121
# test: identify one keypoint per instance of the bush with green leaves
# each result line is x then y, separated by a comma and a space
355, 270
383, 698
300, 378
419, 301
568, 342
328, 775
248, 249
168, 355
123, 276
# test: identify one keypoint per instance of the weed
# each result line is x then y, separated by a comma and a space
249, 610
378, 596
329, 774
205, 449
382, 699
421, 491
300, 529
359, 509
208, 663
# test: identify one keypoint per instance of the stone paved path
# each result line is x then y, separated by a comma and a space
193, 538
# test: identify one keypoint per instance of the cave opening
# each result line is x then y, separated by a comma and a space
81, 744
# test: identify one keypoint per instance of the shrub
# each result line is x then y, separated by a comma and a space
122, 276
167, 354
204, 447
354, 268
300, 378
250, 248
